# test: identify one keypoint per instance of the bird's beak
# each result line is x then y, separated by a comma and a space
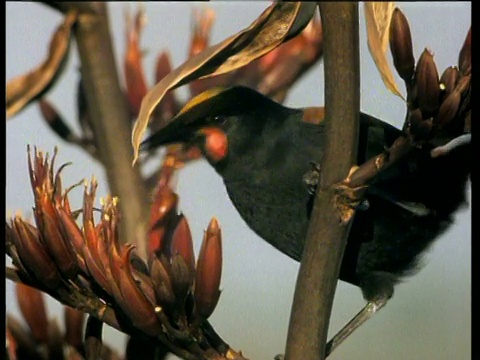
175, 132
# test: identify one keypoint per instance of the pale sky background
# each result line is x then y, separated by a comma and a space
429, 316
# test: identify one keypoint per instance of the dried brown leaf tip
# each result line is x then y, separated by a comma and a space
437, 108
378, 17
166, 298
24, 89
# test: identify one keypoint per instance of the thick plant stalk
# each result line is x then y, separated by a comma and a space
327, 233
110, 120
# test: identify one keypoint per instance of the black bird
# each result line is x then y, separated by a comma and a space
262, 150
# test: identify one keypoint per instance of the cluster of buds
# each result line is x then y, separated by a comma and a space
167, 298
438, 107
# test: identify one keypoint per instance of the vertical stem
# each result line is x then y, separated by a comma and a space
111, 121
327, 235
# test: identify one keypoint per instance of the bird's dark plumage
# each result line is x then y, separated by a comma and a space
270, 149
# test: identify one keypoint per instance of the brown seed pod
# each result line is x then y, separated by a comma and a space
401, 45
160, 273
448, 109
182, 278
449, 79
463, 83
426, 77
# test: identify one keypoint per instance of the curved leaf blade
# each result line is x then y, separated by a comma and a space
277, 24
377, 19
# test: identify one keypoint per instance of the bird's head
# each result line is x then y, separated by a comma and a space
221, 122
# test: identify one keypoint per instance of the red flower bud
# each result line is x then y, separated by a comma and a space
134, 75
32, 306
74, 320
33, 254
182, 243
209, 271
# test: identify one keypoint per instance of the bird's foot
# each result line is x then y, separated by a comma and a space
312, 177
363, 315
349, 198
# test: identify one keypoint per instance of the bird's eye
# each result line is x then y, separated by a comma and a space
221, 120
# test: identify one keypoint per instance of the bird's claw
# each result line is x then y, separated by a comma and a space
312, 177
348, 199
